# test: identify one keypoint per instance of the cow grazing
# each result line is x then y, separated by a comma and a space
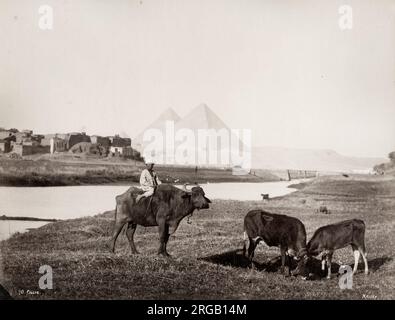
329, 238
166, 208
278, 230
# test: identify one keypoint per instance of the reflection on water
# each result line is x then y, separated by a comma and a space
77, 201
58, 202
9, 227
247, 191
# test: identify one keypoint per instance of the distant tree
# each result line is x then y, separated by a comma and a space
391, 155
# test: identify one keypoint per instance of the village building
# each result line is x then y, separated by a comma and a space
29, 142
70, 139
126, 152
21, 149
6, 134
26, 143
5, 145
27, 149
46, 140
117, 141
57, 145
102, 141
22, 136
21, 142
121, 146
7, 139
37, 137
76, 137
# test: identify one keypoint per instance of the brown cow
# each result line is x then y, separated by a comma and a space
166, 208
329, 238
278, 230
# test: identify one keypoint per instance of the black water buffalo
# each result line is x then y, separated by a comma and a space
166, 208
278, 230
329, 238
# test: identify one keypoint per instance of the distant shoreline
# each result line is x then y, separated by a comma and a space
6, 218
51, 173
73, 180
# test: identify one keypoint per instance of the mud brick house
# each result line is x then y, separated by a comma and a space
126, 152
5, 145
120, 146
76, 137
24, 149
24, 135
117, 141
70, 140
102, 141
46, 141
57, 145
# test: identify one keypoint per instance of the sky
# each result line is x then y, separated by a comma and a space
284, 69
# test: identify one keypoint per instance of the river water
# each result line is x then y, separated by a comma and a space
8, 227
78, 201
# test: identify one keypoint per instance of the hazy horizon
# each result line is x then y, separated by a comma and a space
285, 70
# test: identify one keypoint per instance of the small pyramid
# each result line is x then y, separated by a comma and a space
201, 117
168, 115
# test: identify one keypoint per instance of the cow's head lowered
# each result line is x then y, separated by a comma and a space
302, 259
198, 199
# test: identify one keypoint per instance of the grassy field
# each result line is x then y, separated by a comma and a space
44, 172
92, 171
207, 261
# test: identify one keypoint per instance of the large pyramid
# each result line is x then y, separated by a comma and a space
200, 134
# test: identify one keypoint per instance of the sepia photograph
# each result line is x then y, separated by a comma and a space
211, 150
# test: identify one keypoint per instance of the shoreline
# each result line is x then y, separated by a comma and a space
295, 186
45, 180
78, 172
9, 218
47, 220
207, 251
